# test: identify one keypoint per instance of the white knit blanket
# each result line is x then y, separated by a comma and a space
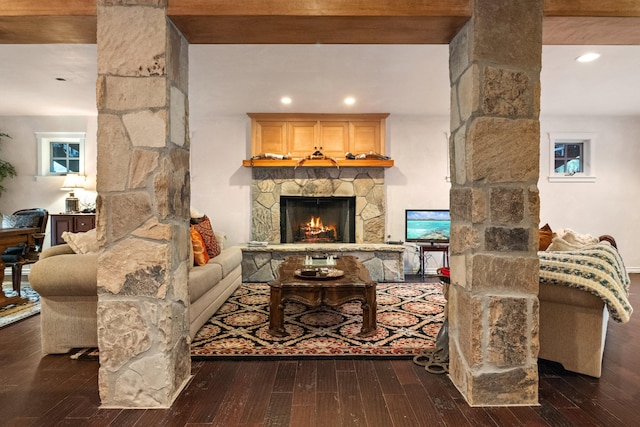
597, 269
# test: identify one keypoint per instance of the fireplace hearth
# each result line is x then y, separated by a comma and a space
317, 219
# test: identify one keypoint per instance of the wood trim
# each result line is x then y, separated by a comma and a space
594, 8
47, 8
290, 117
48, 29
343, 163
591, 31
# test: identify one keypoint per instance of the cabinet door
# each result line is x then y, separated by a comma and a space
365, 137
84, 223
334, 138
302, 138
270, 137
60, 224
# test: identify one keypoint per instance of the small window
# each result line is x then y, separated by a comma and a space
60, 153
65, 157
571, 158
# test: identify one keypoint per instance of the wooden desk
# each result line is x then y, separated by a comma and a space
13, 237
433, 247
354, 285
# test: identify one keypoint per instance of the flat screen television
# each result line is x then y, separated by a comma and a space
427, 225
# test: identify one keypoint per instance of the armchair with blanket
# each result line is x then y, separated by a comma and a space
583, 282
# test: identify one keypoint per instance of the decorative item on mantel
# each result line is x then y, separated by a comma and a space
317, 155
72, 182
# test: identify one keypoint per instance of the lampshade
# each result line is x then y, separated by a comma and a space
72, 182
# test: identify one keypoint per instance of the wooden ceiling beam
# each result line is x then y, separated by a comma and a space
321, 21
47, 21
592, 8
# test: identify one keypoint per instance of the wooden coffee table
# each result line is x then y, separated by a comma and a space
354, 285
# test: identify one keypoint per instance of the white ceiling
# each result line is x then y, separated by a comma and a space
235, 79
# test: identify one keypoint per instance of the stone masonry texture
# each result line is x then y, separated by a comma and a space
143, 205
495, 134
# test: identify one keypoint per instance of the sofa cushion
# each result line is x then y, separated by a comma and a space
203, 278
83, 242
204, 228
229, 259
546, 234
200, 255
65, 275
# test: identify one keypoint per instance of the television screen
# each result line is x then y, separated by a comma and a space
427, 225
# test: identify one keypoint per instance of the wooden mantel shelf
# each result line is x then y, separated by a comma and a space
343, 163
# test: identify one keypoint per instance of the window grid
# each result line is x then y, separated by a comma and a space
569, 158
65, 157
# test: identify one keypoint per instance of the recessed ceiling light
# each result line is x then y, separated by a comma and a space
285, 100
588, 57
349, 100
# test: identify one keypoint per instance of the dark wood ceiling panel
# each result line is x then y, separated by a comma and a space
445, 8
325, 30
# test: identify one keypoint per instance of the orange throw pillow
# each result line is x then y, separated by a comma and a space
203, 227
200, 255
546, 235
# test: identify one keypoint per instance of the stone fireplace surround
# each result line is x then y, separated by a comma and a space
366, 184
259, 264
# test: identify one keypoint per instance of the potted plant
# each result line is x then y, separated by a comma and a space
6, 169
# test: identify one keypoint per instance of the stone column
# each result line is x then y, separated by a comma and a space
495, 64
143, 205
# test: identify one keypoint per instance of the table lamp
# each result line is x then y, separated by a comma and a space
71, 183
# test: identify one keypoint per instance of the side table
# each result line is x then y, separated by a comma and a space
433, 247
72, 222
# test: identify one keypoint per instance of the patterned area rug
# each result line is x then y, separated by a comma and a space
409, 317
12, 313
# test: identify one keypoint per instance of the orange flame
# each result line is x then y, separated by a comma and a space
315, 226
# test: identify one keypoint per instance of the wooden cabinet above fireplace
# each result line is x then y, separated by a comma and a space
298, 135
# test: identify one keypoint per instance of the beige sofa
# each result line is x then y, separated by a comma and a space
67, 284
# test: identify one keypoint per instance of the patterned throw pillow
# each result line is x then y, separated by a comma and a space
200, 255
206, 231
545, 237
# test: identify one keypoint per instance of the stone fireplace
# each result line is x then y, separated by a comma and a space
364, 184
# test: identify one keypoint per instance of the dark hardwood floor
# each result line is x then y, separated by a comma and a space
55, 390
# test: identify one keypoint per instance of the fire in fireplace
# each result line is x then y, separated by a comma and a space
317, 219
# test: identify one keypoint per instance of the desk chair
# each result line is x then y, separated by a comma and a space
17, 256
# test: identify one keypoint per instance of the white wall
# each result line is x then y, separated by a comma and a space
27, 190
611, 205
221, 186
